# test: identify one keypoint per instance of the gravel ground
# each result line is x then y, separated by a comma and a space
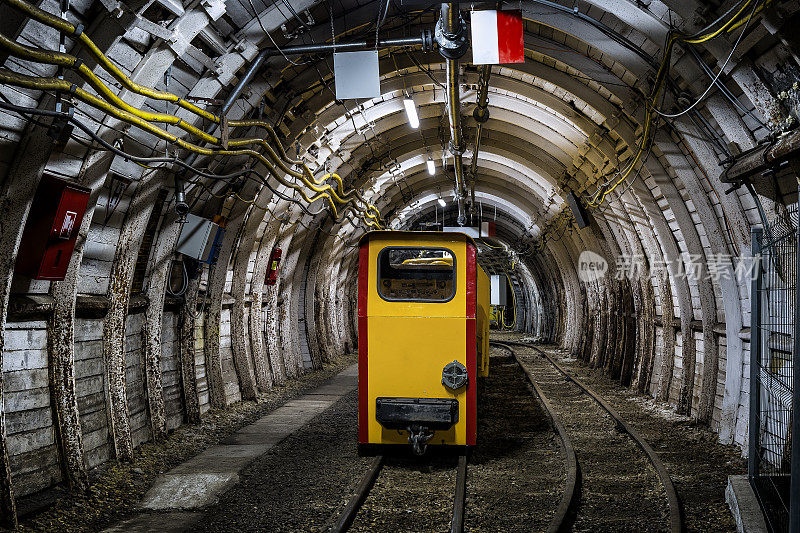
619, 489
299, 483
117, 487
411, 494
698, 464
515, 476
516, 473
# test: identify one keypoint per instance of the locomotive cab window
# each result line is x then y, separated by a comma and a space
416, 274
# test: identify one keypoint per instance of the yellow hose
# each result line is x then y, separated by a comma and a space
66, 60
66, 27
336, 196
513, 306
53, 84
734, 22
726, 26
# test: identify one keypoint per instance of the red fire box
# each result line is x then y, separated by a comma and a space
272, 270
51, 229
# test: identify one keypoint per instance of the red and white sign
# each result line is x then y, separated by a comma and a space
66, 226
497, 37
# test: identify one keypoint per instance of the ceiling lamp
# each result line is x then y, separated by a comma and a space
431, 167
411, 113
442, 202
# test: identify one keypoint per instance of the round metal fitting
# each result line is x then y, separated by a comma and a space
480, 114
427, 40
460, 149
454, 375
452, 46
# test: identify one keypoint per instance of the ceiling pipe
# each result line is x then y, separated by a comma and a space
425, 41
762, 158
481, 115
451, 36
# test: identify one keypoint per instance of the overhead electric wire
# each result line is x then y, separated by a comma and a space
63, 59
723, 88
326, 85
648, 136
427, 71
267, 33
513, 306
719, 19
717, 76
21, 80
662, 74
730, 24
25, 111
381, 18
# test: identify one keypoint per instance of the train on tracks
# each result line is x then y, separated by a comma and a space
423, 340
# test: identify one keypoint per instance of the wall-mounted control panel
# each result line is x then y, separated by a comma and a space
200, 239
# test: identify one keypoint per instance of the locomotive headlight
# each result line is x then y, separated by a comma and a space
454, 375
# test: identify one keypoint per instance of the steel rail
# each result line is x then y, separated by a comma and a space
569, 497
457, 523
675, 511
345, 519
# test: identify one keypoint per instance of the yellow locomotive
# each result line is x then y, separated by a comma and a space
423, 339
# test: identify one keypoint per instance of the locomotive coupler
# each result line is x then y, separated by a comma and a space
418, 437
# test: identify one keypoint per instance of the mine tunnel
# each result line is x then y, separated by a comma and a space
398, 265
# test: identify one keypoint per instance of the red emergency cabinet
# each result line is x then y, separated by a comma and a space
51, 229
272, 269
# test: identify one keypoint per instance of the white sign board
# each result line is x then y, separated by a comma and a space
497, 290
357, 75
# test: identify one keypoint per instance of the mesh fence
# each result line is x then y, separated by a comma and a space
775, 322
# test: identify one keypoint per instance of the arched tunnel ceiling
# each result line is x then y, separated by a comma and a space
566, 119
570, 114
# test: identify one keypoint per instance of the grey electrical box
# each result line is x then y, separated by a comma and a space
497, 290
581, 218
197, 238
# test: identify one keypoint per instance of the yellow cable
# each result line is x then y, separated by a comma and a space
758, 10
513, 305
306, 177
53, 84
719, 30
729, 25
56, 58
66, 60
490, 246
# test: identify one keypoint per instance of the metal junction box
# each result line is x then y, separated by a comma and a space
497, 289
51, 230
199, 239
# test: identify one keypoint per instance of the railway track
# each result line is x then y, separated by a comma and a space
571, 496
345, 519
